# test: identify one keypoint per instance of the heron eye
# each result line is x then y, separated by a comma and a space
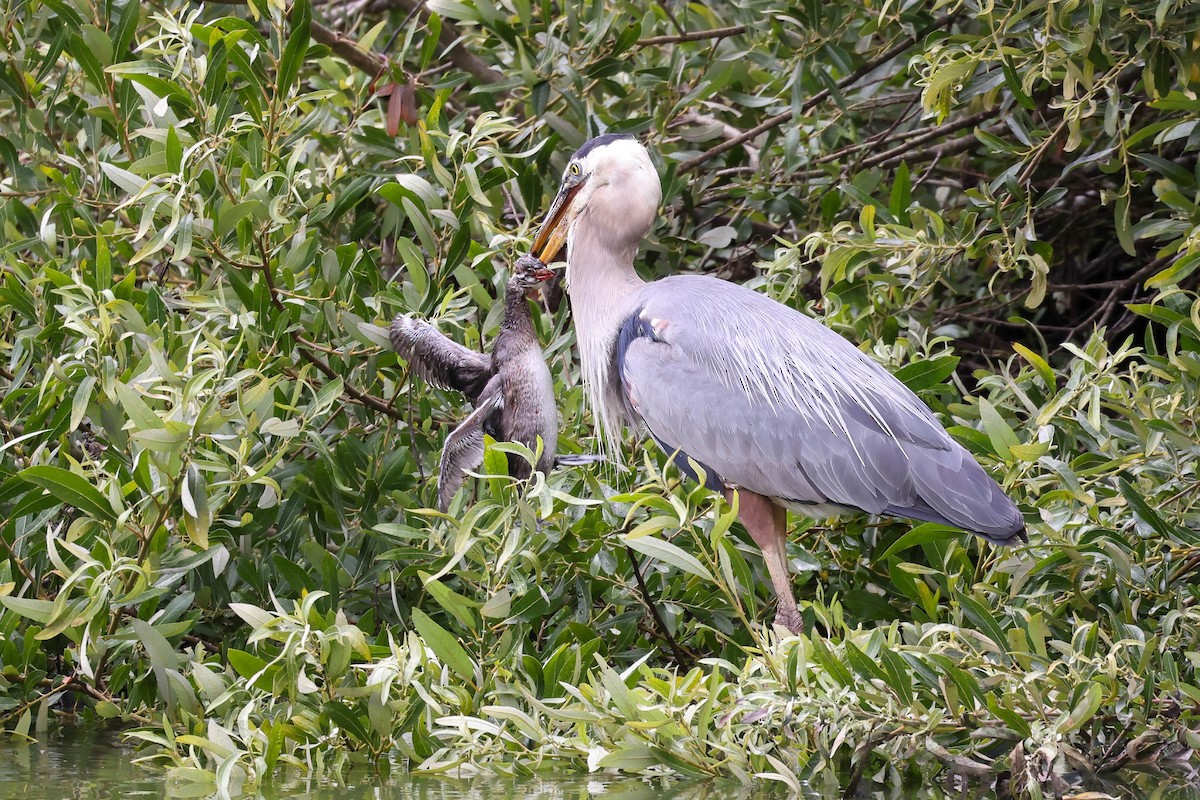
573, 170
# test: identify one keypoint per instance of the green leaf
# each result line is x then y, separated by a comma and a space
36, 610
174, 151
297, 47
163, 658
103, 264
1084, 709
1146, 513
1001, 436
922, 374
1013, 82
1176, 272
1039, 364
922, 534
444, 645
248, 665
459, 607
1121, 220
984, 621
901, 193
830, 662
668, 553
71, 489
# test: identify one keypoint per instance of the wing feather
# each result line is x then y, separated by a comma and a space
463, 450
776, 402
438, 359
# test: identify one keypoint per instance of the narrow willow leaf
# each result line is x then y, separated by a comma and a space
1084, 709
921, 534
984, 621
1038, 363
444, 645
997, 430
923, 374
83, 396
71, 489
36, 610
174, 151
459, 607
669, 554
296, 48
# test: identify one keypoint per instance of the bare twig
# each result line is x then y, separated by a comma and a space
693, 36
355, 394
910, 138
821, 96
727, 130
682, 656
367, 61
450, 38
965, 142
666, 9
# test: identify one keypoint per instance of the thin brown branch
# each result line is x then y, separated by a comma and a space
368, 61
451, 39
910, 138
693, 36
356, 395
363, 398
75, 684
965, 142
819, 97
17, 560
682, 656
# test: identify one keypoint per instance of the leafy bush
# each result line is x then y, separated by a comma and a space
214, 482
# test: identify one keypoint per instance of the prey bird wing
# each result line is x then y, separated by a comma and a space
463, 450
438, 359
766, 398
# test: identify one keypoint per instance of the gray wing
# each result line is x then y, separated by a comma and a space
766, 398
463, 450
438, 359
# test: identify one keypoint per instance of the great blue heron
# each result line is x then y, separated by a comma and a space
773, 406
511, 389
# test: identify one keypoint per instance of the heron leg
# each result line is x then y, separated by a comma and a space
766, 523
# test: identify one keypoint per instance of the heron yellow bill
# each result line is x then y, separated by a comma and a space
552, 236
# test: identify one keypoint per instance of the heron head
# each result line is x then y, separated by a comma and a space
611, 185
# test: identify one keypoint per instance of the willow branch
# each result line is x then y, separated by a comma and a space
693, 36
450, 39
819, 97
373, 64
369, 62
682, 656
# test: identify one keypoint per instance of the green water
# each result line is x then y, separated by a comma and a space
79, 763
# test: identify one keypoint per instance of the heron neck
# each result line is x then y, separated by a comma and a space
603, 287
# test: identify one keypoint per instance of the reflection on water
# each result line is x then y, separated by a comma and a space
85, 763
73, 762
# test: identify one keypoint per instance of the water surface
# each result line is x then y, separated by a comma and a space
92, 763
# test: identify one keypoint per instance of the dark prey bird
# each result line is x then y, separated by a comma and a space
772, 405
511, 389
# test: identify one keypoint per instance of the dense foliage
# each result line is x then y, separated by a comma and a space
215, 478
